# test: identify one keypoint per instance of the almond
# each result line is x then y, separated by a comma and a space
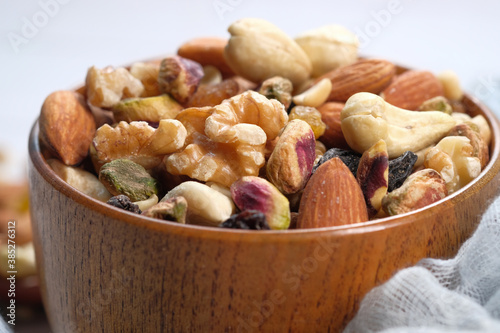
207, 51
332, 197
67, 126
412, 88
330, 115
366, 75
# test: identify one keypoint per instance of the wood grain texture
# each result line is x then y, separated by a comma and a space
105, 270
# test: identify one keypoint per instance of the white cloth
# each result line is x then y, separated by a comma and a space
457, 295
4, 327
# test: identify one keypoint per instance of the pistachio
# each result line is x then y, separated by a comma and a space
150, 109
316, 95
258, 50
172, 209
123, 202
367, 118
372, 176
179, 77
419, 190
278, 88
329, 47
205, 206
292, 160
438, 103
123, 176
479, 120
255, 193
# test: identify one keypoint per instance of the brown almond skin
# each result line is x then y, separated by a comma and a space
366, 75
332, 197
330, 115
67, 126
207, 51
412, 88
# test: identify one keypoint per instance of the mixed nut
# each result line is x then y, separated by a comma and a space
262, 131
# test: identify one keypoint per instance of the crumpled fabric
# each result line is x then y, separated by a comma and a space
435, 296
4, 328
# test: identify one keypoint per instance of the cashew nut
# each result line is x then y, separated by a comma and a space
367, 118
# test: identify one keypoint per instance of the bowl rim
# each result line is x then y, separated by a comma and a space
38, 162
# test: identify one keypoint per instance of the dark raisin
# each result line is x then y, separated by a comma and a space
247, 219
400, 168
292, 105
123, 202
349, 157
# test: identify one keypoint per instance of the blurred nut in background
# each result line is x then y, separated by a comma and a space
179, 77
207, 51
67, 126
412, 88
14, 208
258, 50
106, 87
329, 47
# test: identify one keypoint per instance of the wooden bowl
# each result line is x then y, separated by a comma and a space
106, 270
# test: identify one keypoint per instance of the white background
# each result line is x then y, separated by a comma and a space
47, 45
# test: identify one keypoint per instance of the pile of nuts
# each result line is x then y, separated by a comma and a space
263, 131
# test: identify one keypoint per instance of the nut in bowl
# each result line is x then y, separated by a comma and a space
148, 232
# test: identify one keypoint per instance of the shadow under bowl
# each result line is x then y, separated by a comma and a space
106, 270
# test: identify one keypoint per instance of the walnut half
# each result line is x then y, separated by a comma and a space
137, 142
